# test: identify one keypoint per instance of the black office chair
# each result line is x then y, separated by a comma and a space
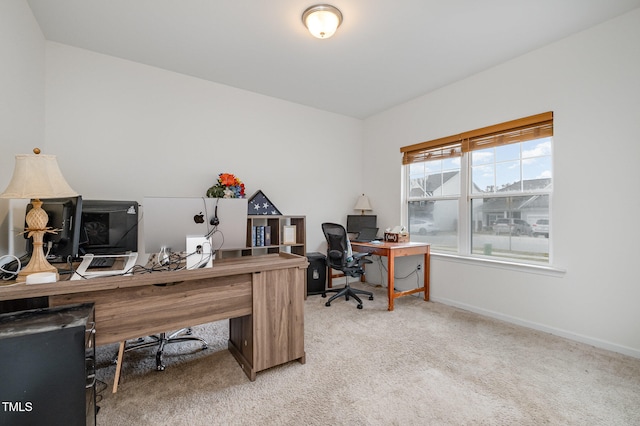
163, 339
338, 259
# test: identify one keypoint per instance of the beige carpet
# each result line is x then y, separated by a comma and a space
422, 364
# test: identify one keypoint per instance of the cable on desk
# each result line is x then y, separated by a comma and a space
10, 274
415, 271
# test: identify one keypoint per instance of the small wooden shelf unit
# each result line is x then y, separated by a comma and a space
276, 223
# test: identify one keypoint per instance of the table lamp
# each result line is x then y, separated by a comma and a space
37, 176
362, 204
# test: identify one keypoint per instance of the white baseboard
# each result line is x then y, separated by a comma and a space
603, 344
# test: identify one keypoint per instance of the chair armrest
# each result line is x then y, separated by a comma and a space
335, 254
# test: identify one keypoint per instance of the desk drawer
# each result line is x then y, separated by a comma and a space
128, 313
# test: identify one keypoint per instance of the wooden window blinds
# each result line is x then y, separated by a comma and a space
520, 130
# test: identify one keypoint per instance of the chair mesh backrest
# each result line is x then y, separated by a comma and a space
336, 237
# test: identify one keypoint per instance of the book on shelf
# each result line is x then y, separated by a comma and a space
260, 235
267, 235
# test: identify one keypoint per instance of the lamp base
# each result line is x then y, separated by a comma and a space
37, 264
37, 220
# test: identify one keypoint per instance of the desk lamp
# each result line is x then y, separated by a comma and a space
362, 204
37, 176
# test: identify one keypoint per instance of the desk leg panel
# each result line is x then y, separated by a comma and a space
241, 343
427, 274
278, 323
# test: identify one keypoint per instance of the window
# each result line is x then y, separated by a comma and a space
484, 193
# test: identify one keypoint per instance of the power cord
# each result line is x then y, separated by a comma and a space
216, 231
70, 270
6, 273
204, 259
49, 245
382, 268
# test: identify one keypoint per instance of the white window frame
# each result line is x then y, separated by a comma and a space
464, 233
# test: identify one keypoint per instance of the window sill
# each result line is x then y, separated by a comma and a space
501, 264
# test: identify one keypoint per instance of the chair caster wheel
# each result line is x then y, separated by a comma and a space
324, 294
205, 347
359, 306
160, 368
370, 297
327, 304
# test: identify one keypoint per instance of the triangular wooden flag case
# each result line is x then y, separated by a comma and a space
259, 204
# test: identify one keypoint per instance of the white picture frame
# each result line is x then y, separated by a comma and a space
289, 234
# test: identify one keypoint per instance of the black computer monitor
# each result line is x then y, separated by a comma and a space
109, 227
64, 218
355, 223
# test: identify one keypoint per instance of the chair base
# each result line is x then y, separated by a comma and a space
182, 335
347, 291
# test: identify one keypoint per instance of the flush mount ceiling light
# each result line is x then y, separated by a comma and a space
322, 20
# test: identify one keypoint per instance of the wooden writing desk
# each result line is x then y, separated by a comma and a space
391, 251
262, 296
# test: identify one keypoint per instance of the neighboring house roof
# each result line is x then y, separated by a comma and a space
422, 187
519, 202
527, 185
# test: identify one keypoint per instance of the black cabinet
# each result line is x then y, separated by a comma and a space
316, 273
47, 366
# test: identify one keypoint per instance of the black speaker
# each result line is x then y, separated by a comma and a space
316, 273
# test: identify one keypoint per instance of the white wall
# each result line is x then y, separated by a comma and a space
123, 130
22, 76
592, 83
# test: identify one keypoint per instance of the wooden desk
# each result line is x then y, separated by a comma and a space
262, 296
391, 251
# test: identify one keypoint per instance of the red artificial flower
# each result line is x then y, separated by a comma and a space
227, 179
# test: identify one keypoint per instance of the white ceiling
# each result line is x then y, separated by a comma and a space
384, 53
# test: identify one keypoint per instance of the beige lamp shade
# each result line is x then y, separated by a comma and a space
37, 176
363, 204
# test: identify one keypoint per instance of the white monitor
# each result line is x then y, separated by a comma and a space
168, 221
